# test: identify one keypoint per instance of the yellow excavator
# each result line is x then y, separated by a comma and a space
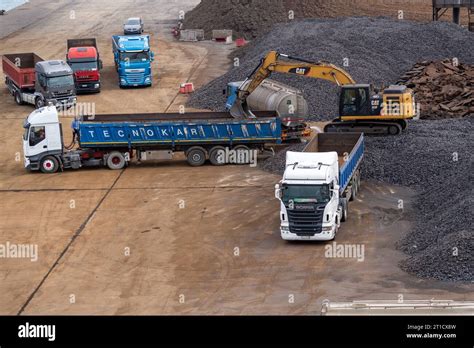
361, 107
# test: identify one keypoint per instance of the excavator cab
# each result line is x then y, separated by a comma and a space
363, 108
359, 100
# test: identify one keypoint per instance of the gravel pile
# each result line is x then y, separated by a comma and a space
250, 18
436, 159
276, 164
379, 50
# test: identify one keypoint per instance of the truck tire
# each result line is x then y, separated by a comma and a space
344, 209
116, 161
39, 103
353, 191
18, 99
49, 165
214, 156
196, 156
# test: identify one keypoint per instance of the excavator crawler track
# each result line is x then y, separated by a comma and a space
366, 127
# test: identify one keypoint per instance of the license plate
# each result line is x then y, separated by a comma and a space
84, 86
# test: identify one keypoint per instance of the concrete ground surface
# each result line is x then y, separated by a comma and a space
165, 238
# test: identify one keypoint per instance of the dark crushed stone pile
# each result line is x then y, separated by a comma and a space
276, 164
380, 50
450, 258
423, 158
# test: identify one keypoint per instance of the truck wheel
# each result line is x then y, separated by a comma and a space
353, 192
196, 156
39, 103
214, 157
18, 99
116, 160
344, 209
49, 165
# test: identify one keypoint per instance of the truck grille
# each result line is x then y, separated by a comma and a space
135, 78
306, 220
62, 95
84, 78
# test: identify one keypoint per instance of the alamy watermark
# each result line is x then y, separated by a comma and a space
19, 251
345, 251
237, 156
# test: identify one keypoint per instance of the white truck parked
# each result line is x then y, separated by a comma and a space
317, 186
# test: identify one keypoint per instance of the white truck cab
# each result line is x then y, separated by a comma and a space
42, 139
309, 196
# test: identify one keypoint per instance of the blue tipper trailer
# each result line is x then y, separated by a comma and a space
113, 140
105, 131
350, 149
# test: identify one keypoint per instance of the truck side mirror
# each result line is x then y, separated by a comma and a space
336, 188
101, 65
277, 191
152, 56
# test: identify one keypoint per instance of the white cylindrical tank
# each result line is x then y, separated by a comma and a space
276, 96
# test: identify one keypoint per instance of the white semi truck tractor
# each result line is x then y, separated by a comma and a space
317, 186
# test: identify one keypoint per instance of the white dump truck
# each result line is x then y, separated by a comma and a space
317, 186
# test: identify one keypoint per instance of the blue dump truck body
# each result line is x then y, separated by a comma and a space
133, 57
352, 163
99, 132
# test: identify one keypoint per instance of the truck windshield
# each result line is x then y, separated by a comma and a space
306, 193
59, 81
133, 22
134, 56
84, 66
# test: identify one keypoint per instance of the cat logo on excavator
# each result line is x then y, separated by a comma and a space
300, 71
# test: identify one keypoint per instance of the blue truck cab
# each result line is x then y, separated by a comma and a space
133, 57
231, 94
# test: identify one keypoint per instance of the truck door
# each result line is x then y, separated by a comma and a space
36, 142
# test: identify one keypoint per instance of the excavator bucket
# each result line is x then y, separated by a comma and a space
241, 110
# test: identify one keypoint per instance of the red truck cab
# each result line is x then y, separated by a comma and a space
83, 58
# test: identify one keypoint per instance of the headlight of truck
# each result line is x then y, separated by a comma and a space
96, 85
123, 82
285, 228
327, 229
147, 80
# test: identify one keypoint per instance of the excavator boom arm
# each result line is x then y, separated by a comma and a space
292, 65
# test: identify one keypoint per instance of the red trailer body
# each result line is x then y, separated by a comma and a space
20, 68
